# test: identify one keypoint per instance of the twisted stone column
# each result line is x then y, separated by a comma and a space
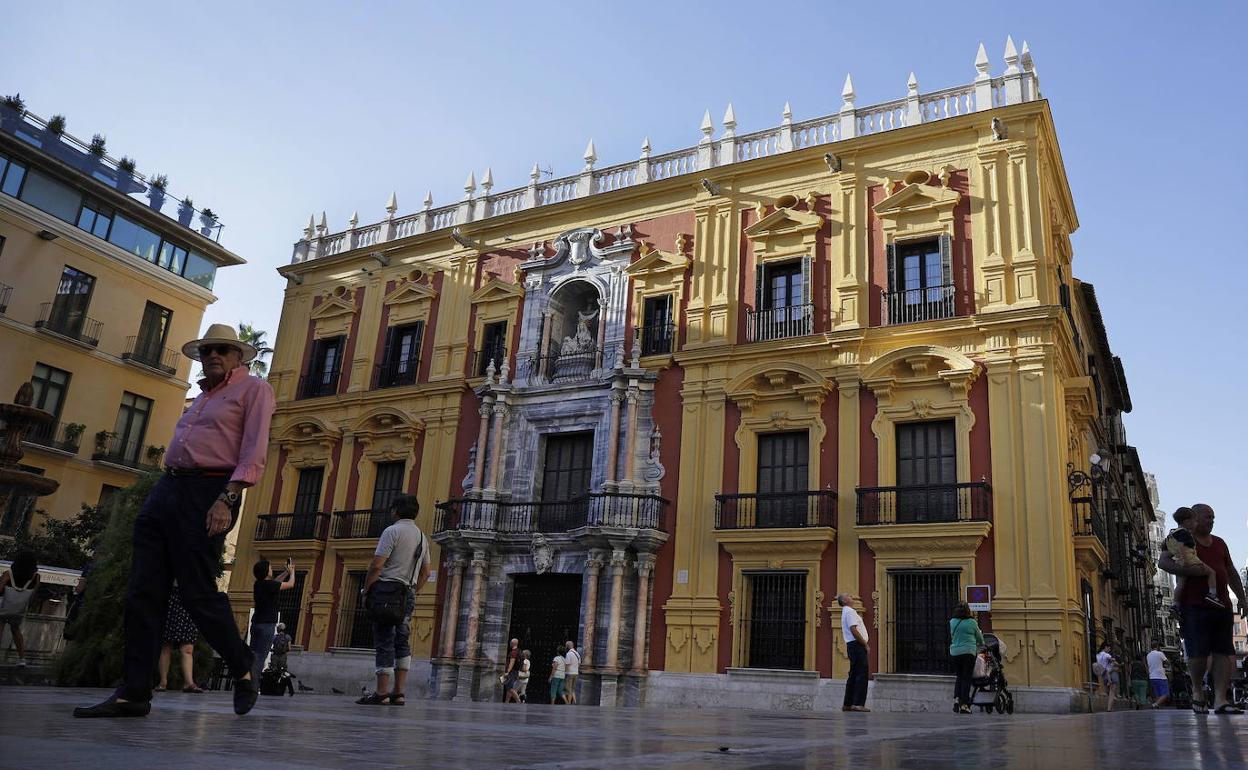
613, 443
644, 564
472, 645
543, 349
630, 445
593, 568
450, 613
618, 562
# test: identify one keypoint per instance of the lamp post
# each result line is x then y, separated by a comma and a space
1082, 489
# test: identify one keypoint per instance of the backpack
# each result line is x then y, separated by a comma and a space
281, 645
15, 600
1098, 669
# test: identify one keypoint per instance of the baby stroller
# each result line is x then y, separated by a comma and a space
989, 689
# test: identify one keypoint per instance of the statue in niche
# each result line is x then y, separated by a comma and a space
654, 470
543, 554
583, 340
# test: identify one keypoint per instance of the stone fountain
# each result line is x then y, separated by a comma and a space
18, 419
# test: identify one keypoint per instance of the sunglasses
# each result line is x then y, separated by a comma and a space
221, 350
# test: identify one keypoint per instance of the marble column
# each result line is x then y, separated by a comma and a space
593, 568
450, 615
613, 442
630, 444
496, 448
472, 645
644, 564
618, 562
483, 437
548, 319
602, 332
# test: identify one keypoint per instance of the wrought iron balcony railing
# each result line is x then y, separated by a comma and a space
319, 384
482, 359
360, 523
6, 293
597, 509
63, 436
656, 339
152, 356
1089, 518
394, 374
68, 323
907, 306
816, 508
131, 454
925, 504
779, 323
292, 526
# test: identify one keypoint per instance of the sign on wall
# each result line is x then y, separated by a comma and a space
979, 598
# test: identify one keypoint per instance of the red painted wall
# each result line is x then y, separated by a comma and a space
353, 483
981, 468
868, 476
426, 345
348, 358
828, 459
276, 500
667, 415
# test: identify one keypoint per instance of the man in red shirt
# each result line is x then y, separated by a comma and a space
1207, 630
218, 449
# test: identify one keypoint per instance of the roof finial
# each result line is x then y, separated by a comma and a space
428, 199
535, 174
1028, 64
912, 85
470, 185
707, 128
786, 117
981, 64
847, 93
392, 205
487, 181
645, 147
354, 220
591, 154
730, 121
311, 228
1011, 56
323, 225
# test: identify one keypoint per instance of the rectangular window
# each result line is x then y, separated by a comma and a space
68, 314
493, 347
46, 194
51, 387
95, 218
773, 625
12, 174
199, 270
290, 604
927, 472
149, 346
106, 493
782, 305
388, 485
920, 619
172, 257
401, 356
134, 238
325, 367
355, 629
657, 331
566, 473
783, 467
920, 281
308, 491
131, 427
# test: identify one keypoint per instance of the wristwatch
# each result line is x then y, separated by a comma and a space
228, 497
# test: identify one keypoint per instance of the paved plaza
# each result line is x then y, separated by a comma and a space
200, 731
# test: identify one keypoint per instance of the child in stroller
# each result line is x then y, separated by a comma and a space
989, 689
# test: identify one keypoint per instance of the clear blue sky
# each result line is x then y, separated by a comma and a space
267, 112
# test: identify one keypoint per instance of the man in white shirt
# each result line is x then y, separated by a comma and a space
1158, 682
855, 634
572, 669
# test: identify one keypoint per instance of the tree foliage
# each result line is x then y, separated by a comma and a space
94, 658
60, 542
255, 337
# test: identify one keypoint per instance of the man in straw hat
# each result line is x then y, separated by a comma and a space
218, 449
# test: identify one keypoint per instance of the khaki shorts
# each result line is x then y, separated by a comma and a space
569, 684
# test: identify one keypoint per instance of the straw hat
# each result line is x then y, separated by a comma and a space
219, 334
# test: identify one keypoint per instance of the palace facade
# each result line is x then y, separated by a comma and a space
671, 408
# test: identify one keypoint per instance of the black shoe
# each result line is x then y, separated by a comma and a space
244, 696
113, 708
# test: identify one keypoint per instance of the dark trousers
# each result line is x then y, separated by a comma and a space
171, 543
856, 684
392, 643
963, 669
261, 642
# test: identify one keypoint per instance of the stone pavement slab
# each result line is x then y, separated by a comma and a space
324, 731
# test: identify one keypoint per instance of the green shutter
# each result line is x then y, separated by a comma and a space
807, 293
946, 259
890, 259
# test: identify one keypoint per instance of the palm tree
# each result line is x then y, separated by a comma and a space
255, 338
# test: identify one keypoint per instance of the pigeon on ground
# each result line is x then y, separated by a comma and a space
336, 691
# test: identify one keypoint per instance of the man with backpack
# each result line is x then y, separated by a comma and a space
399, 568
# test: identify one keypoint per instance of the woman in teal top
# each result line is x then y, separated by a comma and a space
965, 639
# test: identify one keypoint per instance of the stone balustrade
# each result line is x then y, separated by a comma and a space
1019, 83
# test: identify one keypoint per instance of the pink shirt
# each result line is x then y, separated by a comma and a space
226, 427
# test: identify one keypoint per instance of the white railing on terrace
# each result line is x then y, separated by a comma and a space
1018, 84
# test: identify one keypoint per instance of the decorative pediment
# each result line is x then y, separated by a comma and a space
784, 222
654, 263
778, 381
409, 292
495, 290
582, 248
386, 420
924, 544
334, 305
307, 438
917, 197
921, 364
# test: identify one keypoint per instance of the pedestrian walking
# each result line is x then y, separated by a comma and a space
399, 569
1158, 681
854, 632
180, 634
511, 672
1107, 670
558, 671
1139, 681
217, 450
965, 639
17, 588
281, 647
264, 594
1208, 630
522, 677
572, 663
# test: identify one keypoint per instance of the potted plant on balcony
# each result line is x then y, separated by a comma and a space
97, 147
207, 221
156, 191
101, 440
154, 453
12, 109
125, 175
185, 212
73, 433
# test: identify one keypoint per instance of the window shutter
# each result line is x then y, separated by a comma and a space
807, 293
946, 259
420, 338
890, 259
759, 276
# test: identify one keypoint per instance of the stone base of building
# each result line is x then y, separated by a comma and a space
351, 672
805, 691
